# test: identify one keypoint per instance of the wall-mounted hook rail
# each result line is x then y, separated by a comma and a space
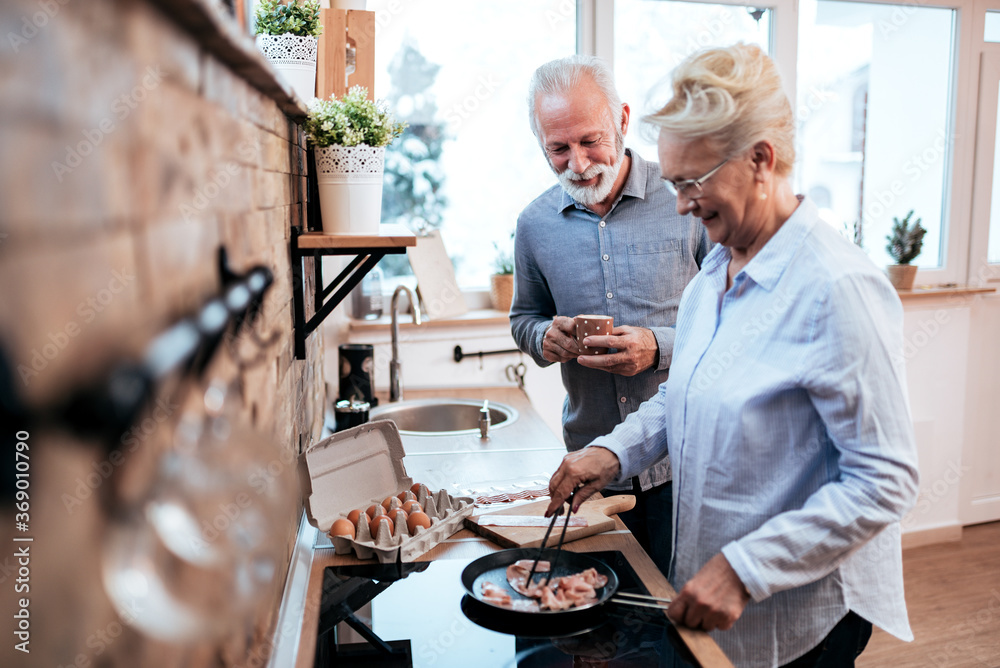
111, 405
459, 355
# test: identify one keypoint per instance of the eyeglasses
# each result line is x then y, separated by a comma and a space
691, 188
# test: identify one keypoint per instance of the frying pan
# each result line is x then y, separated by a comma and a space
493, 568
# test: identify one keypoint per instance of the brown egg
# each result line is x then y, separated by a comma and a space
342, 527
373, 526
411, 506
374, 511
417, 519
416, 488
406, 495
354, 516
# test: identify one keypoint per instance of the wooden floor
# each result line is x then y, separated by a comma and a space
953, 596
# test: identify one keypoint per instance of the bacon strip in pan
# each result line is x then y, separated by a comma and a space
576, 590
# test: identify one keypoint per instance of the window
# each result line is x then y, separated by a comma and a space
885, 101
458, 73
874, 99
648, 43
993, 252
992, 31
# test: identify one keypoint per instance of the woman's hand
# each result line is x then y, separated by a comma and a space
593, 468
713, 599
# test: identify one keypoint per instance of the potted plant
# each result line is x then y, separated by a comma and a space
502, 280
286, 34
905, 244
350, 136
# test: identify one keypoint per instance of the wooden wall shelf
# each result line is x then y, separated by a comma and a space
367, 251
389, 236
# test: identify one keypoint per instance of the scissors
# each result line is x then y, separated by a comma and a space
515, 374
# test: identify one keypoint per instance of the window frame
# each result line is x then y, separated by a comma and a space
987, 76
965, 234
962, 250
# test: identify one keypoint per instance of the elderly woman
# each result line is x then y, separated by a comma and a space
788, 428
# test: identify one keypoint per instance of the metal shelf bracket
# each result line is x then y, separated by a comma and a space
327, 297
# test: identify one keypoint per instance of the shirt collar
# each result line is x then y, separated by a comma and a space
635, 184
770, 263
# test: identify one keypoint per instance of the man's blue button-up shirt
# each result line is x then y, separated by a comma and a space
631, 264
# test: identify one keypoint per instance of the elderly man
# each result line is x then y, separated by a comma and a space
606, 240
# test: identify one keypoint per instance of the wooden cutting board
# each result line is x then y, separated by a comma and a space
596, 511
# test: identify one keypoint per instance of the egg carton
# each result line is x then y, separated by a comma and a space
358, 467
445, 511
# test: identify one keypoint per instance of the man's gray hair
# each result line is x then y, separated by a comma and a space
564, 74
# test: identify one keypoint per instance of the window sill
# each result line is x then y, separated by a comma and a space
930, 291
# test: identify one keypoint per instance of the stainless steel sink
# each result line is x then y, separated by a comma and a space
443, 417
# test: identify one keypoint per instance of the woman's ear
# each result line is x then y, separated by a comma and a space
764, 160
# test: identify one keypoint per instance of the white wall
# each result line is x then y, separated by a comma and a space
979, 497
936, 337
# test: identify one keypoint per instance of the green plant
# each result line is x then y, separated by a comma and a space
351, 120
298, 17
906, 240
503, 263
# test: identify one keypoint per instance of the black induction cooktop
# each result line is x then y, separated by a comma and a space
417, 615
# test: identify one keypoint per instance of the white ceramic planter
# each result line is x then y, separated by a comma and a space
295, 58
350, 188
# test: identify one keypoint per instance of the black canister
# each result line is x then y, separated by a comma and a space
350, 413
356, 372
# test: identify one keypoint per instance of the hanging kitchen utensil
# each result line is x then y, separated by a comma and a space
515, 373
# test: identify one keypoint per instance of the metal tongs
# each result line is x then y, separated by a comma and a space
541, 548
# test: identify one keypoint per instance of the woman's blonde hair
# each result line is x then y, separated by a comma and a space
733, 97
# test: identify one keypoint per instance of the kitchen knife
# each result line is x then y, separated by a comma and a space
525, 521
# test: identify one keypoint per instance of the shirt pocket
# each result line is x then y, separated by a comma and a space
658, 270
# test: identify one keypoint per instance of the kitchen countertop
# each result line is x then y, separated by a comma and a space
513, 452
523, 450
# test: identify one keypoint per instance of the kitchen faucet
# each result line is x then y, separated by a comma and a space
395, 390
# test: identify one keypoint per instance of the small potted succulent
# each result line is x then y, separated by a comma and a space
502, 279
350, 136
286, 34
905, 244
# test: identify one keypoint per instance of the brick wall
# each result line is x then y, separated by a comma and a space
128, 154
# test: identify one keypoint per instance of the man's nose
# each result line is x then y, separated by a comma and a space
578, 160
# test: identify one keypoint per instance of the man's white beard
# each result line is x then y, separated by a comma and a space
591, 195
